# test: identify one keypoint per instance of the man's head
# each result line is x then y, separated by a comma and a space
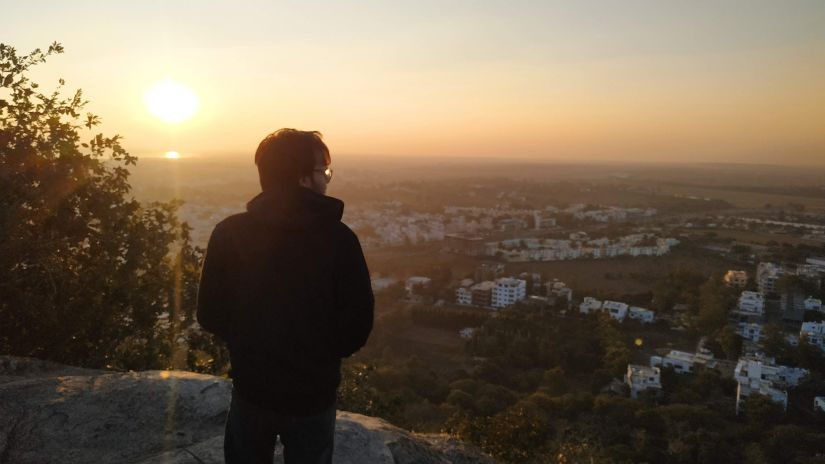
289, 157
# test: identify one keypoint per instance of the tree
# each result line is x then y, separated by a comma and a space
85, 270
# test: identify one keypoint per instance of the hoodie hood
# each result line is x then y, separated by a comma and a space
297, 207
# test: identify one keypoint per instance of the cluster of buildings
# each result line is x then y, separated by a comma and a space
491, 289
496, 294
617, 310
753, 374
764, 376
609, 213
393, 225
578, 246
751, 305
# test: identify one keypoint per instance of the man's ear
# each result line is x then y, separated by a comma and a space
305, 182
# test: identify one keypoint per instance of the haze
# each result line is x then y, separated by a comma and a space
608, 81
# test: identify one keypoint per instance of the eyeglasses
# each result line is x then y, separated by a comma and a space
327, 173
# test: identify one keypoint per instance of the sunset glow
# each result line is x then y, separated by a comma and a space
171, 155
552, 81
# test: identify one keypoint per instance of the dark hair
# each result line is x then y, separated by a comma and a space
287, 155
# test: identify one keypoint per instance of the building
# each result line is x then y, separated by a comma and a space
738, 279
749, 331
640, 378
814, 332
812, 304
819, 403
535, 285
482, 294
507, 291
684, 363
616, 309
542, 221
792, 303
464, 296
470, 245
751, 303
488, 271
590, 305
416, 286
818, 262
766, 276
558, 289
755, 375
643, 315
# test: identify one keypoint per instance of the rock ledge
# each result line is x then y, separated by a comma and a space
55, 413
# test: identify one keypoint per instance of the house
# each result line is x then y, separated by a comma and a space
751, 303
643, 315
814, 332
819, 403
558, 289
684, 363
738, 279
766, 276
812, 304
617, 310
507, 291
758, 375
464, 296
640, 378
818, 262
589, 305
482, 294
749, 331
466, 333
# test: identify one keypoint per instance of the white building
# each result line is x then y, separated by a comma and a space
737, 279
751, 303
464, 296
815, 332
641, 314
819, 403
640, 378
749, 331
616, 309
763, 376
766, 276
466, 333
813, 304
589, 305
816, 262
507, 291
682, 362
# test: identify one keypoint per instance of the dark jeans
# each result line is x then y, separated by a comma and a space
251, 433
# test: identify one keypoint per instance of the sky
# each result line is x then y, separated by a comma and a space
664, 81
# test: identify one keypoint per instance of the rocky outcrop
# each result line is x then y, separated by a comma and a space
55, 413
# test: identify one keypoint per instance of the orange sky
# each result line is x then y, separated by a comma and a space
610, 80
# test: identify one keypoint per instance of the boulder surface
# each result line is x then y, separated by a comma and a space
55, 413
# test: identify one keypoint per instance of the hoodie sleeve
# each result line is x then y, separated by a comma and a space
354, 299
213, 293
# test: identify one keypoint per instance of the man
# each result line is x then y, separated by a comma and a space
286, 286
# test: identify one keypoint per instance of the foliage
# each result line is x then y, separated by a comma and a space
86, 271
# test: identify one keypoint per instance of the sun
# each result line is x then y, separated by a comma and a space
172, 155
171, 101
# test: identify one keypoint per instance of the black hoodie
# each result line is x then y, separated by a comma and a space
286, 286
